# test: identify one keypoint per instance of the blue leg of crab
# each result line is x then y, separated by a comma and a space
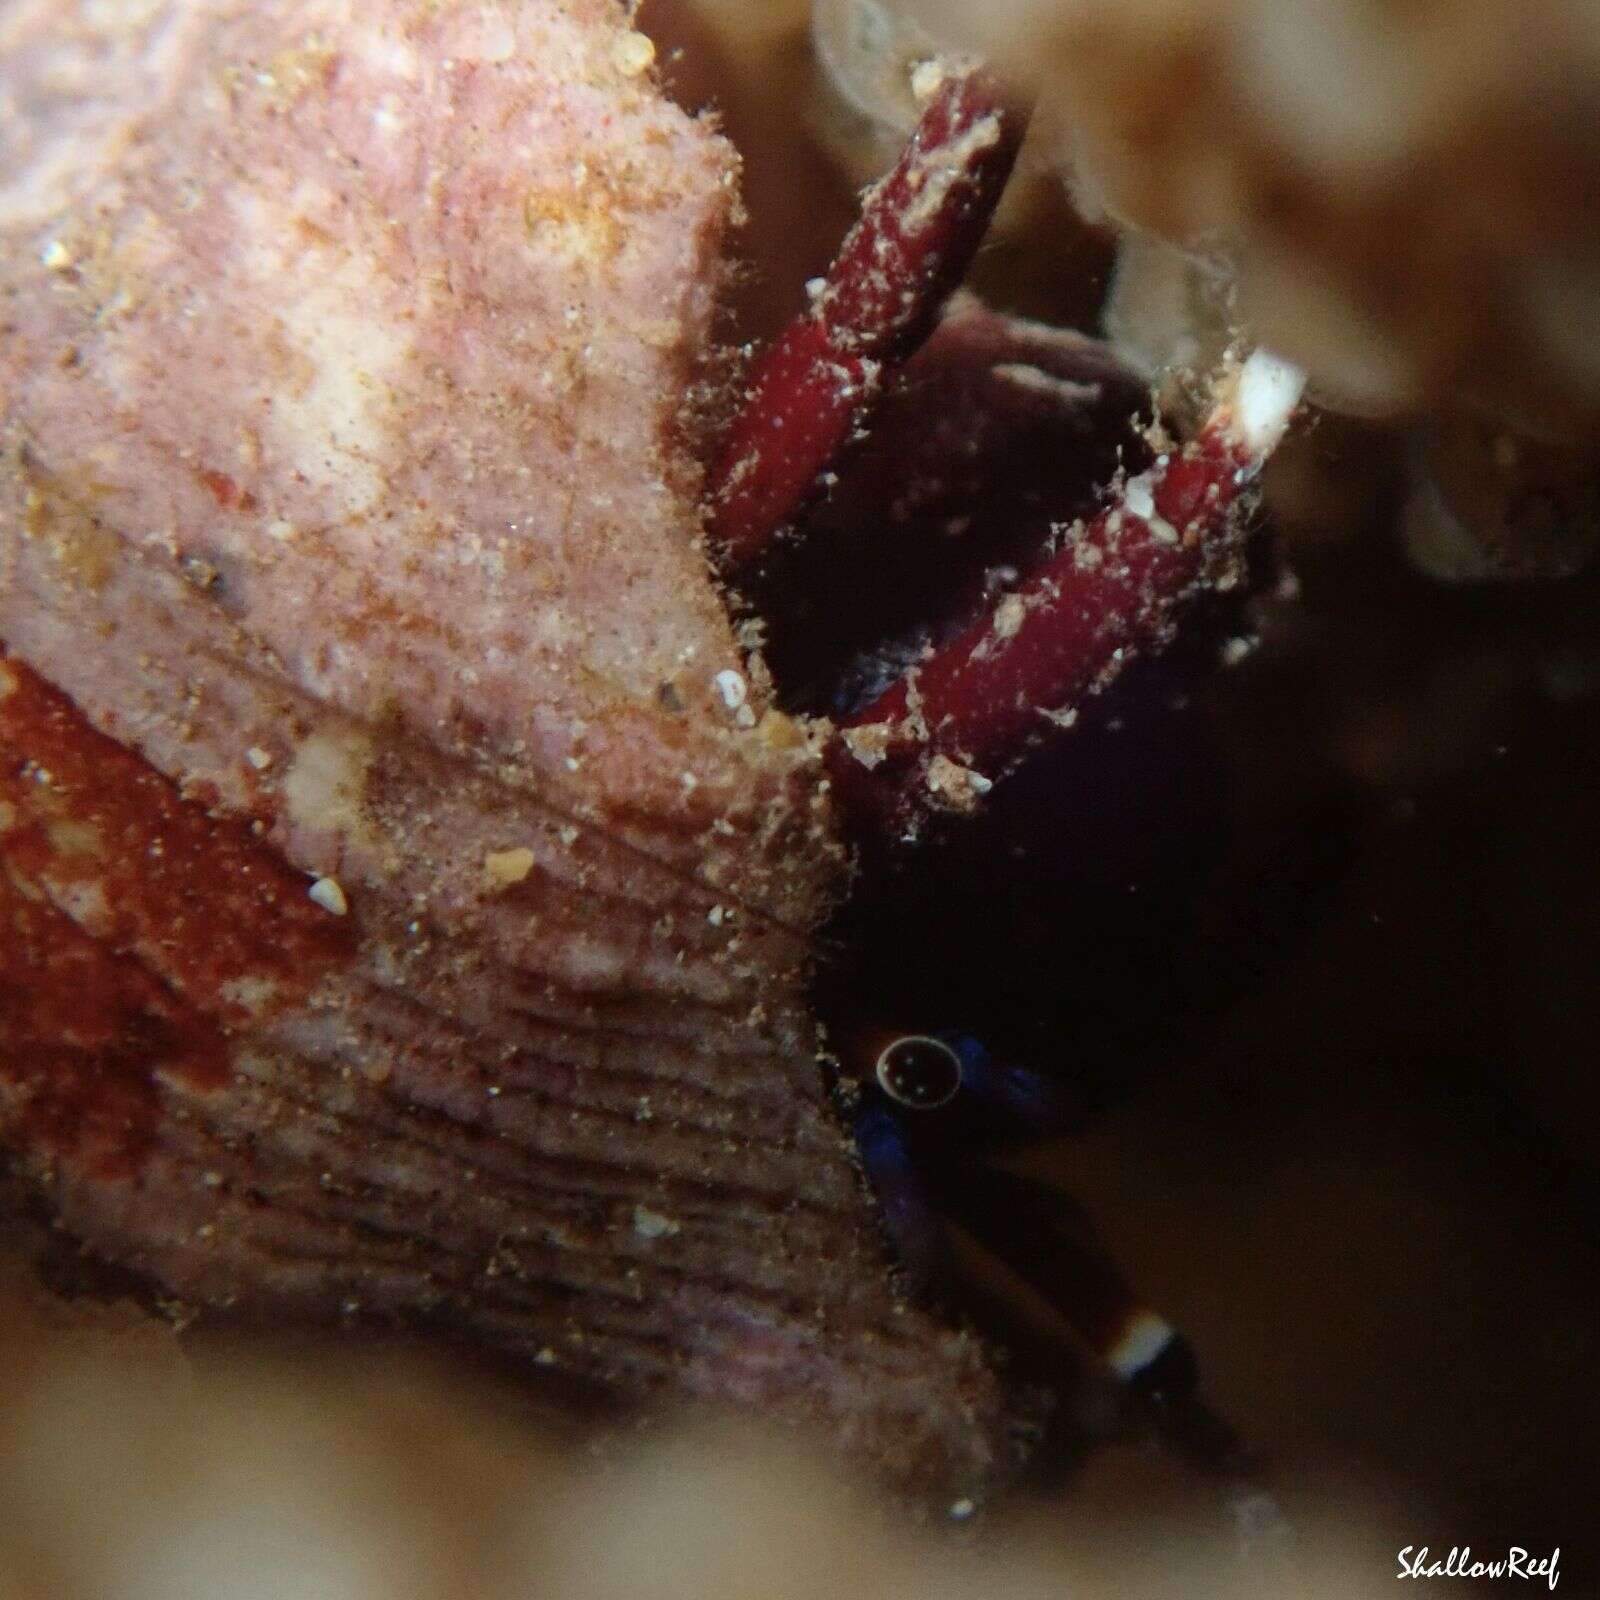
918, 1234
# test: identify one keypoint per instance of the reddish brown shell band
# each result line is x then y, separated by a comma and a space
137, 930
810, 393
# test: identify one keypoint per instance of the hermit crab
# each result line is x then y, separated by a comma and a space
413, 881
957, 709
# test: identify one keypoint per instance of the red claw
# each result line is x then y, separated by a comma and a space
939, 737
811, 392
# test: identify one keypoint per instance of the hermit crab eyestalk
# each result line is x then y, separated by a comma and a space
919, 1071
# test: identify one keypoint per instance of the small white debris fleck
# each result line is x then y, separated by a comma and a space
1269, 389
55, 256
1139, 498
963, 1508
1235, 651
258, 758
716, 916
731, 686
689, 781
1009, 616
650, 1224
506, 867
927, 78
635, 53
814, 288
545, 1358
328, 894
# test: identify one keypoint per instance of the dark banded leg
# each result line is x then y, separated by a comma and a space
1044, 1238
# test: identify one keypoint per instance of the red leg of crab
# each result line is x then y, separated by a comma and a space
937, 737
809, 394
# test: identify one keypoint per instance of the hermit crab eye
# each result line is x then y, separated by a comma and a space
919, 1071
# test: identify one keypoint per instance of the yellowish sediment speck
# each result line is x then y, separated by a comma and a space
507, 867
635, 53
